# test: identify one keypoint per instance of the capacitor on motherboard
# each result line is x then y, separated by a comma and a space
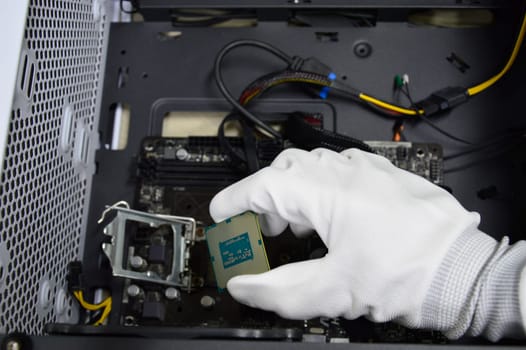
134, 291
207, 302
137, 262
181, 154
172, 293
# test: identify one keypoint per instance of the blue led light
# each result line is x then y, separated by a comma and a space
324, 92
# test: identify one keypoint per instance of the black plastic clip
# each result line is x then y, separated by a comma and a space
443, 100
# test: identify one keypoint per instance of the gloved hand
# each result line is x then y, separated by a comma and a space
387, 232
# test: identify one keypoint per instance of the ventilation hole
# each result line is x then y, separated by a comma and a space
23, 77
458, 62
123, 77
327, 36
30, 80
120, 125
170, 35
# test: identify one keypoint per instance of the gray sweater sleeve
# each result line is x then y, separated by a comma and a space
476, 289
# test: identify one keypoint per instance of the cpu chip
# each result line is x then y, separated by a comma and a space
236, 248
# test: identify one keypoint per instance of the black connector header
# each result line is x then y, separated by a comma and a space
74, 276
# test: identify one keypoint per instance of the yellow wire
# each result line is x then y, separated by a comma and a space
406, 111
483, 86
362, 96
471, 91
389, 106
88, 306
105, 314
106, 304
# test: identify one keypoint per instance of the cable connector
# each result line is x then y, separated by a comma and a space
443, 100
74, 276
312, 65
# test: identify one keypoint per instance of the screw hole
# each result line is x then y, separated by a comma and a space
123, 52
129, 321
344, 77
362, 49
144, 75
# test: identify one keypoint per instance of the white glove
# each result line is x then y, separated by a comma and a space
387, 232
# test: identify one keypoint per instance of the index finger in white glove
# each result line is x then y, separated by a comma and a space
260, 193
264, 193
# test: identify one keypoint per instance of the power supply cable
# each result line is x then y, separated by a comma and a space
389, 106
319, 79
311, 72
75, 287
439, 101
472, 91
263, 84
105, 306
228, 95
402, 83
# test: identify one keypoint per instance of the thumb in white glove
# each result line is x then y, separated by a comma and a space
387, 231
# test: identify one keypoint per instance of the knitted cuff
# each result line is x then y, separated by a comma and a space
476, 289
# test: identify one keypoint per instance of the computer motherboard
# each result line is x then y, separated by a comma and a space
179, 176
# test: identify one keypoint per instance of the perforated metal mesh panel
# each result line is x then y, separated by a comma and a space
46, 168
